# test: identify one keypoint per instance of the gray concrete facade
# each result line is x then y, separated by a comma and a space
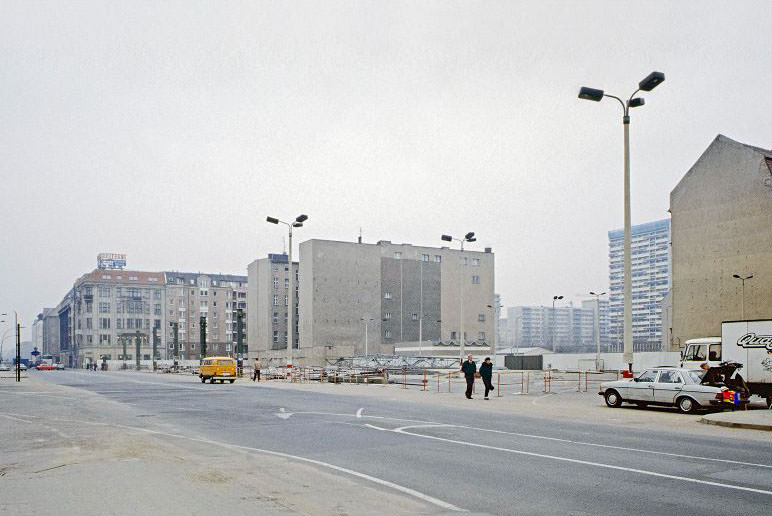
721, 220
403, 292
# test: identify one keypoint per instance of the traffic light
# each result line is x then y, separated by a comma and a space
202, 324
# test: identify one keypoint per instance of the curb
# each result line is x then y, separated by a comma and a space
732, 424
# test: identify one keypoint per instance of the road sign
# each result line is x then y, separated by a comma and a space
35, 352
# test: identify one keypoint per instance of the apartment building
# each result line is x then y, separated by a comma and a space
650, 254
215, 297
269, 301
563, 329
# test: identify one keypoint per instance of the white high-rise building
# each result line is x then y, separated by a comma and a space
650, 254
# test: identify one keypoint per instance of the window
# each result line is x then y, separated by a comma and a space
286, 282
275, 300
475, 262
104, 308
286, 303
276, 336
452, 335
153, 280
276, 318
481, 335
89, 339
481, 317
119, 324
157, 294
397, 255
414, 317
648, 376
387, 334
106, 276
387, 315
104, 323
464, 260
424, 257
697, 353
104, 339
387, 295
86, 291
89, 307
437, 258
129, 324
88, 323
670, 377
104, 291
715, 352
475, 280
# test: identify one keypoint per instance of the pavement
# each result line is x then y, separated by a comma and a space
154, 443
750, 419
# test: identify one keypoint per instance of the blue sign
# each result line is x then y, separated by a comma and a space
35, 352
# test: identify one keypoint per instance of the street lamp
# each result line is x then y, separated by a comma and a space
469, 237
742, 300
18, 345
597, 328
650, 82
366, 320
552, 322
297, 223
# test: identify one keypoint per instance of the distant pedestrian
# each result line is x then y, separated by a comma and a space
486, 372
469, 368
256, 373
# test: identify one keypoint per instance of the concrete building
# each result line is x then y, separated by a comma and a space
566, 329
216, 297
268, 301
106, 306
721, 217
650, 281
45, 332
390, 294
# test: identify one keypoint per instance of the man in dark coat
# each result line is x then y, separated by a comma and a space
469, 368
486, 372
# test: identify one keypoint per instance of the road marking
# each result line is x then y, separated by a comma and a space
406, 490
283, 413
584, 462
359, 413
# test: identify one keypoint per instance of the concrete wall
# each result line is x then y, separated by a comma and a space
721, 225
611, 361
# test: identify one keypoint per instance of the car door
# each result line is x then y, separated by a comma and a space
642, 387
667, 386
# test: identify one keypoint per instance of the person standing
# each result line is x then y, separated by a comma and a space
469, 368
486, 373
256, 373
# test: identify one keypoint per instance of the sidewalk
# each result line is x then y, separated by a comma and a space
752, 419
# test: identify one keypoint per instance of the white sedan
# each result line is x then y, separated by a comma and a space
669, 386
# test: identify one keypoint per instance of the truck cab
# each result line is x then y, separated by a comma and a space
698, 351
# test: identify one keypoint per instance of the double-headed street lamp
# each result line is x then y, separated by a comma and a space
297, 223
469, 237
742, 300
597, 328
649, 83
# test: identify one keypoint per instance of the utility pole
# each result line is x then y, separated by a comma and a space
136, 359
155, 346
202, 335
175, 350
18, 351
240, 338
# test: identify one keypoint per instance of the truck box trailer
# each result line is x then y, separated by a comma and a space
746, 342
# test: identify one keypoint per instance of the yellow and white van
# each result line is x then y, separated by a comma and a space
218, 368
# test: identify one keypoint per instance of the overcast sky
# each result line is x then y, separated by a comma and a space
169, 130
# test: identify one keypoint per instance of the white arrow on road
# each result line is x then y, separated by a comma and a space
283, 413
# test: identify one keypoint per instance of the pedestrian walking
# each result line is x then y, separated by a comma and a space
486, 373
256, 372
469, 368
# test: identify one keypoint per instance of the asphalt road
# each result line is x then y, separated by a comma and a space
477, 461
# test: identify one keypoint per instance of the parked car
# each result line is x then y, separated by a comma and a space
687, 389
5, 367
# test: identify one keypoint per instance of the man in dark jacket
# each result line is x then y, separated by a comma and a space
486, 372
469, 368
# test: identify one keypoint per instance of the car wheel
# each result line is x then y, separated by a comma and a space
203, 380
613, 399
232, 381
211, 380
687, 405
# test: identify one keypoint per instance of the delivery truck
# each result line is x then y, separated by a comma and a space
746, 342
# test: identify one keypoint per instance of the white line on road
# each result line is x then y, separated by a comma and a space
359, 412
583, 462
406, 490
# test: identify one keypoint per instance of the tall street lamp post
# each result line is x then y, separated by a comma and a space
651, 81
742, 299
297, 223
18, 344
469, 237
552, 322
366, 320
597, 328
